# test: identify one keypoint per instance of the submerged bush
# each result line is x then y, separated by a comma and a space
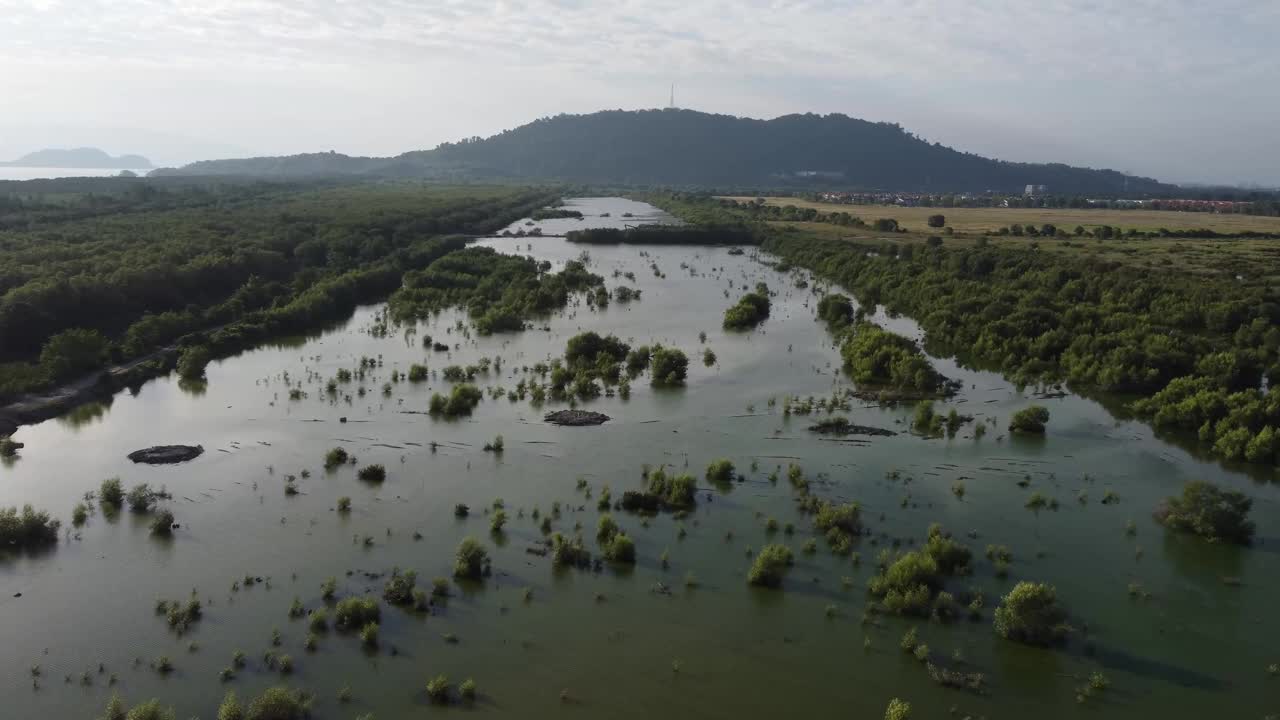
472, 560
162, 523
749, 311
230, 709
875, 356
668, 367
28, 528
568, 553
898, 710
676, 491
1209, 511
462, 399
1030, 614
398, 590
111, 492
835, 310
372, 473
141, 498
354, 612
1029, 420
585, 350
335, 458
279, 703
770, 565
620, 549
906, 586
720, 472
438, 689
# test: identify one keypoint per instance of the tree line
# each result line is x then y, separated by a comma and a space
80, 293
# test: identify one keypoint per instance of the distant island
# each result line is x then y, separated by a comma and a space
79, 158
690, 149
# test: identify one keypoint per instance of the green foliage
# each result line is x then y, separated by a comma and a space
555, 214
438, 689
568, 553
398, 590
1190, 344
770, 565
749, 311
372, 473
141, 498
500, 291
27, 529
1030, 614
230, 708
335, 458
472, 560
668, 367
467, 690
907, 585
151, 710
674, 491
1209, 511
162, 522
462, 399
114, 273
1029, 420
951, 557
589, 350
192, 362
720, 472
417, 373
620, 549
356, 612
898, 710
279, 703
835, 310
369, 635
112, 492
72, 352
874, 356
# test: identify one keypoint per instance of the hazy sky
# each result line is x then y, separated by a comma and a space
1182, 90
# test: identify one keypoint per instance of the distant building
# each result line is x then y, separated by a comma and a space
823, 174
1036, 190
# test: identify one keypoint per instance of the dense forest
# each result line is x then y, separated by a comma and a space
81, 288
1192, 349
689, 148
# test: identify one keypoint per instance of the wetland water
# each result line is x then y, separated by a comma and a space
1197, 646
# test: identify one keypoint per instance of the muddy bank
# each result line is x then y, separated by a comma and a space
38, 407
576, 418
167, 454
842, 426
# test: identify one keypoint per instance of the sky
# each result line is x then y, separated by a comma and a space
1180, 90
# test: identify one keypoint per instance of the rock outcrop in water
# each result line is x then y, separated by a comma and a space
576, 418
167, 454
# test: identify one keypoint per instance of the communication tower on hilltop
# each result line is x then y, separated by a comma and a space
672, 104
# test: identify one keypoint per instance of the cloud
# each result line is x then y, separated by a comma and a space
1057, 73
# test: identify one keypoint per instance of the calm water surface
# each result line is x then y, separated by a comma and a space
1197, 647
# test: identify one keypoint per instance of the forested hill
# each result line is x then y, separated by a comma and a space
689, 148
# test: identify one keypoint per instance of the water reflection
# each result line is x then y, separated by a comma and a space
86, 414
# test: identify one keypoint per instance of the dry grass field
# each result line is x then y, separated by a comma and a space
986, 220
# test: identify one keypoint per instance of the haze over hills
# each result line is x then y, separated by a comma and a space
690, 148
85, 157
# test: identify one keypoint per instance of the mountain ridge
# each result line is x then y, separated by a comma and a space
83, 157
689, 148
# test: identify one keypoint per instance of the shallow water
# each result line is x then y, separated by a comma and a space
605, 641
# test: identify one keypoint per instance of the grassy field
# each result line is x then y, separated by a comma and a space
1252, 261
979, 220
